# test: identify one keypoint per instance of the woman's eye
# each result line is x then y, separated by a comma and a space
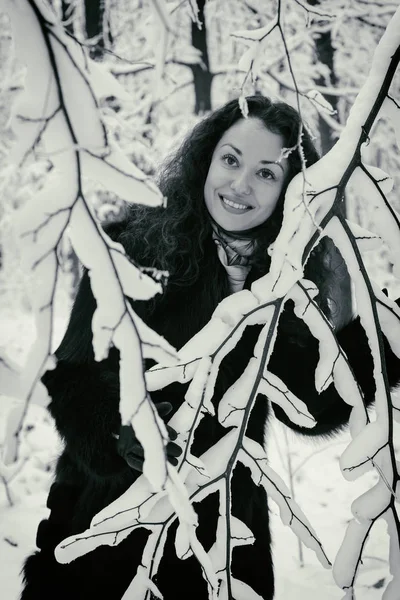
266, 174
229, 159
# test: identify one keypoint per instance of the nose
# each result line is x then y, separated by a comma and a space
240, 184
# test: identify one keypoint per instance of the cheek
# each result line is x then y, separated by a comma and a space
269, 199
207, 185
216, 175
208, 191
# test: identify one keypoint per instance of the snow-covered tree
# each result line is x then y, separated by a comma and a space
59, 113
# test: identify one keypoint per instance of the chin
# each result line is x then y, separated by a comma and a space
234, 224
229, 222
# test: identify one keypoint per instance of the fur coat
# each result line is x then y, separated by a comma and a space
90, 474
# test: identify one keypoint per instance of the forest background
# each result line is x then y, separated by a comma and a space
326, 47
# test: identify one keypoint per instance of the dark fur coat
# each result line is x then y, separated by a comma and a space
90, 474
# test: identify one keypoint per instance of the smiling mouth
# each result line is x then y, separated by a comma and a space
235, 205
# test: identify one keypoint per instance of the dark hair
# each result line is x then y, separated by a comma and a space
178, 233
178, 238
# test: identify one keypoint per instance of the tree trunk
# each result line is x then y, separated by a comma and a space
325, 54
94, 26
202, 78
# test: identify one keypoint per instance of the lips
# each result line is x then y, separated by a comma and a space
234, 204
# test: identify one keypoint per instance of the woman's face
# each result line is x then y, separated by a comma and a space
246, 177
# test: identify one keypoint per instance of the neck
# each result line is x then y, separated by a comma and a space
243, 234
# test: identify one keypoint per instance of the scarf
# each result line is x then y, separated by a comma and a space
234, 253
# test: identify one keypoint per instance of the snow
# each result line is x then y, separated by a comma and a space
326, 499
320, 490
314, 486
18, 523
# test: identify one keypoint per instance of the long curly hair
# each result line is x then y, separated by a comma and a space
174, 238
178, 238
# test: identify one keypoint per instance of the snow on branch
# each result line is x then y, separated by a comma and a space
333, 366
312, 209
58, 115
164, 36
253, 456
213, 470
255, 64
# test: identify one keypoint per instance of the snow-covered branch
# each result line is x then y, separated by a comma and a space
73, 136
312, 208
76, 141
316, 202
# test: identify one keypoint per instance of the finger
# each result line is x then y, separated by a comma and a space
173, 461
126, 438
136, 450
126, 446
172, 434
135, 462
173, 449
163, 408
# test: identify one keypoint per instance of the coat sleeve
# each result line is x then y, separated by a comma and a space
85, 393
84, 405
295, 364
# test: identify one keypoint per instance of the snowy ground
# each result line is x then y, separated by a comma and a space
320, 489
326, 498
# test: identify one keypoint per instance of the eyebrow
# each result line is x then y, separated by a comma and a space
263, 162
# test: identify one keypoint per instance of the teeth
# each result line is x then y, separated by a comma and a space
234, 204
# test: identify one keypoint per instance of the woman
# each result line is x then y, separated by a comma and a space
225, 188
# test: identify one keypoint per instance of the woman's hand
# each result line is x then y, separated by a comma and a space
131, 449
